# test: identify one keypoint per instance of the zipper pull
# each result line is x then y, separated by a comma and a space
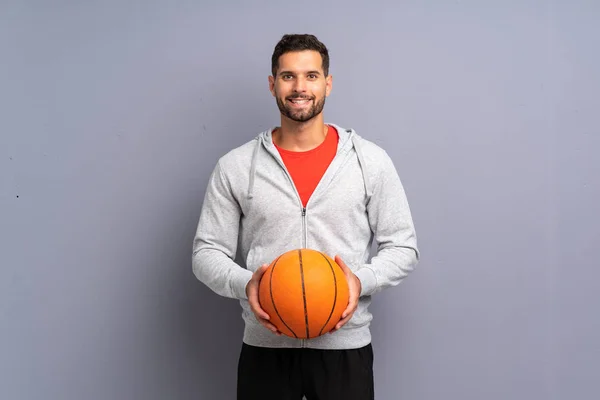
303, 211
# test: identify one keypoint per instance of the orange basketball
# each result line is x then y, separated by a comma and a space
304, 292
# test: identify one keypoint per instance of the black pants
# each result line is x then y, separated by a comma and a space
288, 374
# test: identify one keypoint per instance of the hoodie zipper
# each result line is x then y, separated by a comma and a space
302, 208
304, 233
303, 211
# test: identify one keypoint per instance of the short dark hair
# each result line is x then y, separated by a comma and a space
299, 42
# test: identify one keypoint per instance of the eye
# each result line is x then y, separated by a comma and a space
312, 76
286, 77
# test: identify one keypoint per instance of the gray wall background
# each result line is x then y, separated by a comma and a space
113, 114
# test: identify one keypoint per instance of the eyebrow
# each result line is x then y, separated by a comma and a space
293, 73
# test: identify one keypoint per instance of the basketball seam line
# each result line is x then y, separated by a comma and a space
303, 293
334, 294
273, 300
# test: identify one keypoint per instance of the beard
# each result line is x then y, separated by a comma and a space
301, 115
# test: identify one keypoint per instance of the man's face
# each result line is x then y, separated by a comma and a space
300, 86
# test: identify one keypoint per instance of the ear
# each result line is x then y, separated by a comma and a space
272, 85
329, 84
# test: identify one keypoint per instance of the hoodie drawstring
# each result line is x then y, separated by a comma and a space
363, 166
253, 166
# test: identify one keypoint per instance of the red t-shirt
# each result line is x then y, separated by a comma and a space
307, 167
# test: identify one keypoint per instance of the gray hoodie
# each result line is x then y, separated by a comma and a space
252, 211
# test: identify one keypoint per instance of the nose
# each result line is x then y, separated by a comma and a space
299, 85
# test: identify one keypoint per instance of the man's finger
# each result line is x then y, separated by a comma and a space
259, 273
260, 313
253, 292
256, 308
352, 305
341, 323
346, 316
346, 312
270, 326
342, 264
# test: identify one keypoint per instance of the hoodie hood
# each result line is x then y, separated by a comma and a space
348, 140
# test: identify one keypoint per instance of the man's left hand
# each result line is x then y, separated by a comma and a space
354, 288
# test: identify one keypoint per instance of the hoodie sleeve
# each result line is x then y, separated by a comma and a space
215, 242
391, 222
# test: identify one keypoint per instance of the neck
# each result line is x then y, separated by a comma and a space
300, 136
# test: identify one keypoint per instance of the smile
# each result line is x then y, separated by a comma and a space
299, 102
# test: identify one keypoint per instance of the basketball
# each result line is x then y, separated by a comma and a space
304, 292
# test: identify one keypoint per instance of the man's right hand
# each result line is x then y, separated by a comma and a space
252, 293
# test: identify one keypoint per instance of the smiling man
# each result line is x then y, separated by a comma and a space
299, 88
304, 184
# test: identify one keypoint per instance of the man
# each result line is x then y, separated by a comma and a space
304, 184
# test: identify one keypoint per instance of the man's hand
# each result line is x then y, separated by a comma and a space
354, 288
252, 293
